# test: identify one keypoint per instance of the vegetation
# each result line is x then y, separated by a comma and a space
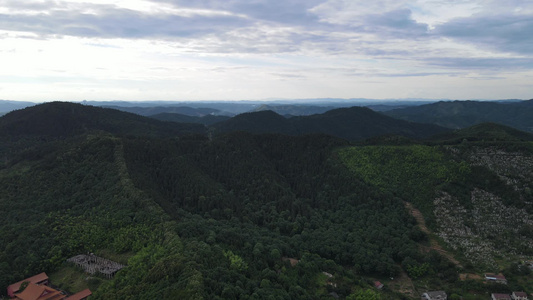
354, 123
244, 216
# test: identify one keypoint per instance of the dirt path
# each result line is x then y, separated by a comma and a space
434, 245
403, 285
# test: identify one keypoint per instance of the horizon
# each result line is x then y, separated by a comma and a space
295, 101
135, 50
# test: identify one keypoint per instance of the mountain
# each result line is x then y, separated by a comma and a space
180, 118
353, 123
154, 110
260, 216
490, 132
258, 122
294, 110
63, 119
7, 105
461, 114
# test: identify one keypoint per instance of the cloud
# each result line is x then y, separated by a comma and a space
491, 64
506, 33
283, 12
262, 46
107, 21
384, 18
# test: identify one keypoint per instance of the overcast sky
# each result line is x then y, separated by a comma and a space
259, 49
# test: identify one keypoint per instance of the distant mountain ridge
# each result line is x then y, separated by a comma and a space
490, 132
9, 105
68, 119
181, 118
354, 123
63, 119
461, 114
294, 110
154, 110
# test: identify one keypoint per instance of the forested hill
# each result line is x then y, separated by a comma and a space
259, 216
353, 123
461, 114
64, 119
490, 132
265, 121
181, 118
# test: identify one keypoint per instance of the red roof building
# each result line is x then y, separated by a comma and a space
39, 292
519, 296
500, 297
39, 279
37, 289
378, 285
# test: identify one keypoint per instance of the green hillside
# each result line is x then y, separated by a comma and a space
257, 216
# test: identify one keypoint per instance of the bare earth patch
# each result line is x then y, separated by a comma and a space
432, 241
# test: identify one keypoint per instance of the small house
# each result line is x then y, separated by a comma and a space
519, 296
498, 278
435, 295
378, 285
500, 296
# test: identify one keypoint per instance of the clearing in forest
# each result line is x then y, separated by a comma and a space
434, 244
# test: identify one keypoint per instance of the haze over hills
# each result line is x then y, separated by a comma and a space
291, 209
7, 105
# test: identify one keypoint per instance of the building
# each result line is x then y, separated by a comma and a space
378, 285
435, 295
519, 296
496, 278
93, 264
37, 289
39, 292
39, 279
500, 296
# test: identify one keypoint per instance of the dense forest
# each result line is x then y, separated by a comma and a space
240, 215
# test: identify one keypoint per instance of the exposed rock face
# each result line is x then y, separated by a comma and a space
486, 227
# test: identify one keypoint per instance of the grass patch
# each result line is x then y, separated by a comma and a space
73, 280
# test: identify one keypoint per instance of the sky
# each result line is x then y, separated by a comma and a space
265, 49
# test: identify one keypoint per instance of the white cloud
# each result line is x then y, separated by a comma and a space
211, 49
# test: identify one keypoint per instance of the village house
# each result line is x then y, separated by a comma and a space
498, 278
500, 296
378, 285
519, 296
435, 295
